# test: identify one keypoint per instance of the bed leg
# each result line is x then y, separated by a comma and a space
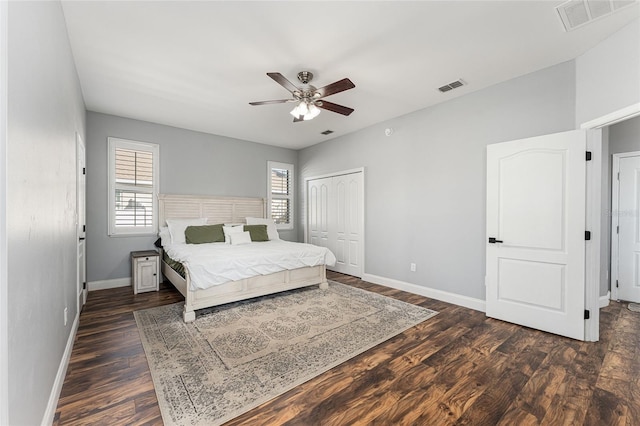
188, 316
324, 285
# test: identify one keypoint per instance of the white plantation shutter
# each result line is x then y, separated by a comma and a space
133, 168
280, 194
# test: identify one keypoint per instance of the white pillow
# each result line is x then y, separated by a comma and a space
178, 226
238, 238
272, 231
231, 229
165, 235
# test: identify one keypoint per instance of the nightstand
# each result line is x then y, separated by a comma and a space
145, 271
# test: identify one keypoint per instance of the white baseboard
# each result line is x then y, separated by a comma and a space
445, 296
604, 300
50, 412
105, 284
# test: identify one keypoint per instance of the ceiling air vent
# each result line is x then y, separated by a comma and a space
576, 13
451, 86
327, 132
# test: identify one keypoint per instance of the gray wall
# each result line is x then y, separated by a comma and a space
190, 163
625, 136
45, 109
607, 75
425, 184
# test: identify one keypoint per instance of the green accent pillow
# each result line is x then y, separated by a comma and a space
257, 232
204, 234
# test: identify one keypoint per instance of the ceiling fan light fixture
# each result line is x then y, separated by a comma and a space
306, 110
303, 108
300, 109
313, 112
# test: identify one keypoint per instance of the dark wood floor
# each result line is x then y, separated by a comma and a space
456, 368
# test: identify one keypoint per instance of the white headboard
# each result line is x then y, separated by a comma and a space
215, 209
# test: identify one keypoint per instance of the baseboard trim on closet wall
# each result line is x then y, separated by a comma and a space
52, 405
444, 296
105, 284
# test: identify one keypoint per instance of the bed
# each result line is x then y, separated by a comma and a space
227, 210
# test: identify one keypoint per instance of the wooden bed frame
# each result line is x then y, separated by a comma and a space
228, 210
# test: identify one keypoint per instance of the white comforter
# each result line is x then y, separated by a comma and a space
218, 263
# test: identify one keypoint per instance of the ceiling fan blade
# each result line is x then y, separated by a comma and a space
279, 101
282, 81
297, 119
337, 87
330, 106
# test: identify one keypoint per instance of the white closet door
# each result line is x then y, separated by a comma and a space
318, 212
346, 224
335, 219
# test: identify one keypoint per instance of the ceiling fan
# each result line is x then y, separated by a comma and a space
309, 99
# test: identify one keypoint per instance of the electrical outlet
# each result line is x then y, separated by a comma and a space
66, 311
412, 267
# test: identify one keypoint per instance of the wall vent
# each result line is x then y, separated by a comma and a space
327, 132
451, 86
576, 13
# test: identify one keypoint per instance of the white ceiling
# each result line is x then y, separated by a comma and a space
197, 65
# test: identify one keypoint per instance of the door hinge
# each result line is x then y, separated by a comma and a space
617, 229
618, 175
587, 235
84, 285
587, 314
588, 155
84, 228
617, 284
84, 170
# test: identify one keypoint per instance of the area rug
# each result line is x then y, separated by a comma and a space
235, 357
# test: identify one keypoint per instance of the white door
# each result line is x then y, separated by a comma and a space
81, 221
347, 203
536, 206
318, 212
628, 277
335, 219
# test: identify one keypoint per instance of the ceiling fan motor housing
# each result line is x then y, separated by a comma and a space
305, 77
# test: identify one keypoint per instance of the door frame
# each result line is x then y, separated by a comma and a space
593, 224
594, 215
80, 281
4, 280
615, 203
613, 117
363, 186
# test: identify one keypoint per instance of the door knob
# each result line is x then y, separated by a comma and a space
492, 240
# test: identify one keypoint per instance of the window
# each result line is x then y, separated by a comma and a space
133, 187
280, 194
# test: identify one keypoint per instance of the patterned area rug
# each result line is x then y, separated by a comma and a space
238, 356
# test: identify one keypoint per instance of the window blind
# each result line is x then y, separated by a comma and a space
134, 181
281, 194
